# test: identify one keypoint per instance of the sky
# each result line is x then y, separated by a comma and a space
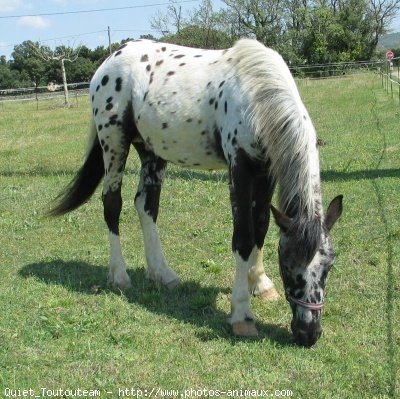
19, 21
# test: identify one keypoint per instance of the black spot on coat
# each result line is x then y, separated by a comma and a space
118, 84
104, 81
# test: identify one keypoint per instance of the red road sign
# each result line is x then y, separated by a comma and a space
389, 55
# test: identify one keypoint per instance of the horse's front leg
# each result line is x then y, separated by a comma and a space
243, 246
147, 203
259, 284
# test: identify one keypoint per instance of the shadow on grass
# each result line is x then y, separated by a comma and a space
215, 176
175, 174
190, 302
333, 175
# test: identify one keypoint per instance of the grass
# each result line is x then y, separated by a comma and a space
61, 327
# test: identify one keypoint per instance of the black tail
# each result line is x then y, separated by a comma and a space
84, 184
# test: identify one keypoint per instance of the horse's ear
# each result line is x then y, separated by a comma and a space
334, 211
281, 219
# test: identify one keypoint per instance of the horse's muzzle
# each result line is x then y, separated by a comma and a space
306, 334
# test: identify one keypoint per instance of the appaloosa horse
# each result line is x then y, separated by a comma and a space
237, 109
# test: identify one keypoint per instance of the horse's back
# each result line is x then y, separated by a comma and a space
188, 104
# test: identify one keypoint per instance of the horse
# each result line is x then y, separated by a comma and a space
237, 109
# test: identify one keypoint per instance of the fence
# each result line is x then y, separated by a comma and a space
42, 94
334, 70
390, 76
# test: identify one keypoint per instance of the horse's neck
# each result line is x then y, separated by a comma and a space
306, 202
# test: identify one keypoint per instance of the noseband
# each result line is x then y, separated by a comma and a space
304, 304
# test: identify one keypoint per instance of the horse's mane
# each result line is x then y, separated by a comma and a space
282, 125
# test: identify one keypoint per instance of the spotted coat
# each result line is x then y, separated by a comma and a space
186, 103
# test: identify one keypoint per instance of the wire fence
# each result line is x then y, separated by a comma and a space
390, 77
334, 70
41, 95
389, 72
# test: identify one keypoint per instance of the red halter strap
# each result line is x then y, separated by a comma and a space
304, 304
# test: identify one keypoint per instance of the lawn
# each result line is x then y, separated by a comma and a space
61, 327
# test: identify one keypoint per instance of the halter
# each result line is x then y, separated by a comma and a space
304, 304
293, 300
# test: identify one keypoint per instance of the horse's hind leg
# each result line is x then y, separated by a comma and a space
115, 151
147, 203
259, 284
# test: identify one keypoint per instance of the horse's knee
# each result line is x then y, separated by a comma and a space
112, 203
243, 244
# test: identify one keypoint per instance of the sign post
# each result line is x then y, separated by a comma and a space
389, 55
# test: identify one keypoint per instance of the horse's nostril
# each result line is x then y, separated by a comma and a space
307, 339
306, 336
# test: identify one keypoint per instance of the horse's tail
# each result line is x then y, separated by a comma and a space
84, 184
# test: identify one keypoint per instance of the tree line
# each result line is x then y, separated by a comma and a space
303, 31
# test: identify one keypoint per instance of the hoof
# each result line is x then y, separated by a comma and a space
269, 295
173, 284
122, 282
245, 329
168, 277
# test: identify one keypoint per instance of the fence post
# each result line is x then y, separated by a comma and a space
387, 77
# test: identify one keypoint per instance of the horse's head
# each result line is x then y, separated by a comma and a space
305, 258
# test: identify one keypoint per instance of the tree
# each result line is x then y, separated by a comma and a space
381, 14
170, 22
7, 77
263, 20
27, 60
195, 36
80, 71
203, 27
313, 31
61, 54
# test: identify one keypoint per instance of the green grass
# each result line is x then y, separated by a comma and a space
61, 327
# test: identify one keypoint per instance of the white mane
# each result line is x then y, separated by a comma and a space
281, 123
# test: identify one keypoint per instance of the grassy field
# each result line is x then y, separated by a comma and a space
61, 327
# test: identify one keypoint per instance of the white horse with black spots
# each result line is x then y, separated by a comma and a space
237, 109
